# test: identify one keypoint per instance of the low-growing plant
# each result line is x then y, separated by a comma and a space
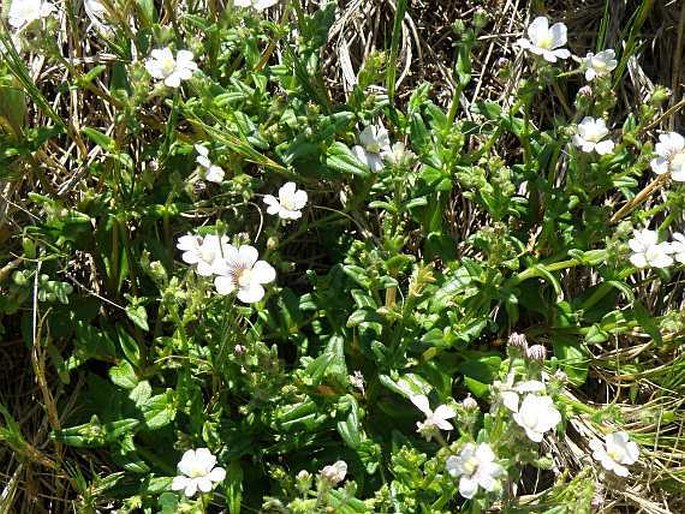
240, 290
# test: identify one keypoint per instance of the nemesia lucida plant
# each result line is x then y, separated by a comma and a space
374, 263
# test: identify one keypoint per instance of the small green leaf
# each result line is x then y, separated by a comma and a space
123, 375
138, 315
340, 158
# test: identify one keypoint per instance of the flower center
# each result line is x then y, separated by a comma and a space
546, 41
168, 64
288, 203
243, 276
197, 470
616, 453
207, 254
471, 465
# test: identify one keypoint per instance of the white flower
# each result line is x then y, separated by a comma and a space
678, 247
335, 473
289, 203
259, 5
590, 134
208, 171
197, 471
23, 12
536, 416
375, 144
202, 251
599, 65
477, 468
616, 452
240, 270
545, 40
509, 394
648, 252
671, 152
434, 419
163, 66
398, 155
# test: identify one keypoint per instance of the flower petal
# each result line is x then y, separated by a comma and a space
224, 284
421, 403
468, 486
218, 474
263, 272
248, 255
251, 294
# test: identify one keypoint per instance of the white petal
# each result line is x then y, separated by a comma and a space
444, 412
421, 403
191, 488
549, 56
179, 483
187, 462
468, 486
271, 201
251, 294
604, 147
184, 56
263, 272
538, 29
172, 80
287, 190
484, 453
510, 400
300, 199
218, 474
638, 260
621, 471
204, 484
558, 33
224, 285
205, 269
248, 255
215, 174
524, 43
205, 458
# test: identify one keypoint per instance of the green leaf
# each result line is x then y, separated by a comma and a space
160, 410
340, 158
99, 138
572, 357
407, 385
234, 486
129, 346
138, 315
349, 429
123, 375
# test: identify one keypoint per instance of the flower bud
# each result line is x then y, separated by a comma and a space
585, 91
518, 342
335, 473
469, 403
304, 481
537, 352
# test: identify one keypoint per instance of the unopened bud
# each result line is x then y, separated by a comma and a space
518, 342
537, 352
335, 473
469, 403
561, 376
585, 91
